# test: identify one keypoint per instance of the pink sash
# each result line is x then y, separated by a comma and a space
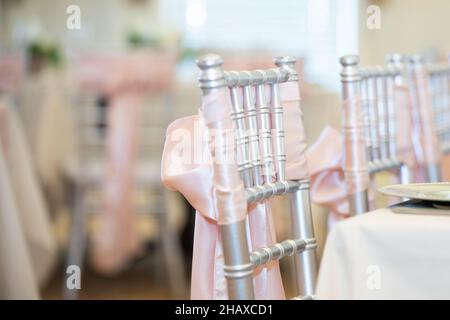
426, 141
3, 127
405, 147
125, 79
355, 162
11, 72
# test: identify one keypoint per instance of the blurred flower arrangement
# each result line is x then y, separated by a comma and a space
42, 54
169, 40
137, 40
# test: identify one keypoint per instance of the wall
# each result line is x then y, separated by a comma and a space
407, 26
104, 22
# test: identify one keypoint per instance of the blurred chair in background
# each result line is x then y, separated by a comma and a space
119, 166
425, 138
439, 81
370, 142
370, 127
375, 138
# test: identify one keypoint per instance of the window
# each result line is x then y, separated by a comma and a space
317, 30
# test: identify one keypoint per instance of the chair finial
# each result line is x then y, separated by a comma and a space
287, 63
349, 60
350, 68
211, 72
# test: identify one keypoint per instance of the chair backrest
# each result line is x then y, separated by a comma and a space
369, 128
428, 152
142, 87
92, 122
260, 163
439, 75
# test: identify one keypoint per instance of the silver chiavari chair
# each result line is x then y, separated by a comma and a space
423, 117
259, 136
374, 87
149, 199
439, 75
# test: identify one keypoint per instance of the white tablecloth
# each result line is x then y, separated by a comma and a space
27, 245
49, 126
17, 278
385, 255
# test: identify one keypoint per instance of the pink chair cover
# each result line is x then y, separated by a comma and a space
446, 167
181, 170
325, 162
355, 163
11, 72
124, 79
3, 128
326, 157
405, 147
426, 142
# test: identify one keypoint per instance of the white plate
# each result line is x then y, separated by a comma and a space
422, 191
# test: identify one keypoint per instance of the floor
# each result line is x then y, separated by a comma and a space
141, 282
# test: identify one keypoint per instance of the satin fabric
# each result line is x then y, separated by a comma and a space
426, 142
355, 162
116, 239
295, 143
12, 68
325, 163
29, 250
3, 128
124, 79
228, 187
405, 147
193, 176
446, 168
326, 157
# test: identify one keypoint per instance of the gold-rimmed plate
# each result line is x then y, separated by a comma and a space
436, 192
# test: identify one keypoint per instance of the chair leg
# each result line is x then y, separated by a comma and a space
405, 174
359, 202
77, 242
302, 228
238, 269
434, 173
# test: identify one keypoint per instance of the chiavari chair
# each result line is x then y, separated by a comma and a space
369, 128
149, 200
260, 164
439, 81
425, 138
